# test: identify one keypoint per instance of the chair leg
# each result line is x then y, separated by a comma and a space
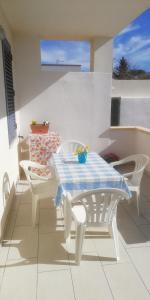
115, 236
67, 220
110, 230
80, 231
138, 202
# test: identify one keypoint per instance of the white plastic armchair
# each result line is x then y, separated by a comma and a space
94, 208
69, 146
41, 186
134, 177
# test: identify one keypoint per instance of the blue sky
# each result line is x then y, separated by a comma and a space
66, 52
133, 42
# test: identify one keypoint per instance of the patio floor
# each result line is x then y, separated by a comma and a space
35, 263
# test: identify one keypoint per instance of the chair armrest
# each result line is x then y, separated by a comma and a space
37, 165
113, 164
118, 162
128, 174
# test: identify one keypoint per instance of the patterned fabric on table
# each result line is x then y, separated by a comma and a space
42, 146
95, 173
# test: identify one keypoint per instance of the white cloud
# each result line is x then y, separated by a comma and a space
137, 43
129, 28
142, 56
119, 50
134, 46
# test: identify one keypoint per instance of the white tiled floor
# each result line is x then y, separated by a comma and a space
36, 264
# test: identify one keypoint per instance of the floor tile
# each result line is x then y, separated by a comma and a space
130, 233
24, 215
26, 197
2, 269
53, 254
145, 186
24, 243
19, 281
146, 230
23, 192
88, 243
132, 211
3, 258
89, 279
47, 203
50, 220
146, 210
55, 285
10, 225
106, 251
15, 203
141, 260
125, 282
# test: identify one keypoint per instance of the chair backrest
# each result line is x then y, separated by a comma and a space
69, 146
100, 205
141, 161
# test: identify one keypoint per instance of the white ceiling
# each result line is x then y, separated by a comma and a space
71, 18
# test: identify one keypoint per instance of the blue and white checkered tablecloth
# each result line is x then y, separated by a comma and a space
95, 173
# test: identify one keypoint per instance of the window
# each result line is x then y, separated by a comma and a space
9, 90
65, 55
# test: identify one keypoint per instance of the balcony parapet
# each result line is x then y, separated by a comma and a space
132, 128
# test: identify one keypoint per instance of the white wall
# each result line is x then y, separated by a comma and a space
121, 142
135, 112
131, 88
77, 104
8, 155
102, 55
135, 101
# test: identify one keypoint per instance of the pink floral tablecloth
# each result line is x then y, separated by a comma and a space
41, 147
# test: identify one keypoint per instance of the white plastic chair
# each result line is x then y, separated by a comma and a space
94, 208
134, 177
69, 146
41, 186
